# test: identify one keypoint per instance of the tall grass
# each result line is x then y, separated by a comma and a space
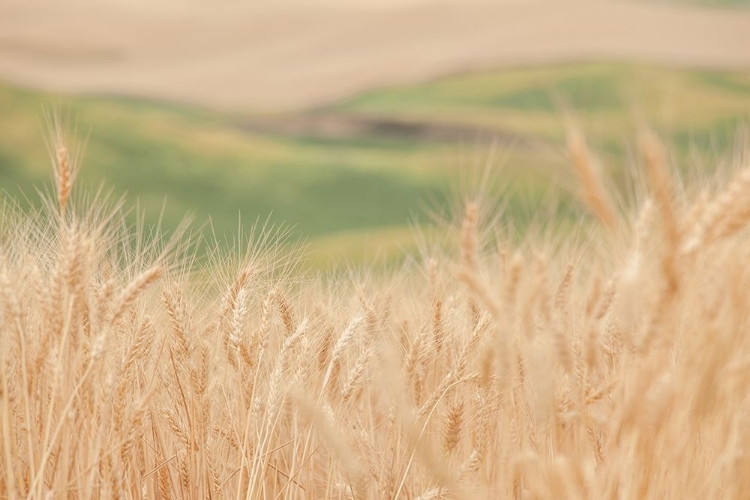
610, 366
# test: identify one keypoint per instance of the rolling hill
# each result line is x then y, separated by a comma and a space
366, 164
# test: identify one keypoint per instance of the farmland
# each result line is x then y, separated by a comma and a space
434, 250
374, 161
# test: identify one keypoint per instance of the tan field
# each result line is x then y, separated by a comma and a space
287, 55
595, 346
609, 366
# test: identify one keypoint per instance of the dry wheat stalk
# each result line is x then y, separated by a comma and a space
588, 383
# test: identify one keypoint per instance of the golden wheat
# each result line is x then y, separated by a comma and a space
616, 368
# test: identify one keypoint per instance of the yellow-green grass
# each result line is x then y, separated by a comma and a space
611, 100
385, 245
207, 163
334, 187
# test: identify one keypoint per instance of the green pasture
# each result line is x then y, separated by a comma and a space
202, 162
353, 194
611, 102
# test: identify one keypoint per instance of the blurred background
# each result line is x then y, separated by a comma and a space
345, 118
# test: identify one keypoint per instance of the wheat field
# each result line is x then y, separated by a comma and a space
611, 363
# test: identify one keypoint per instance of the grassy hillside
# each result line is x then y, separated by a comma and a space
206, 163
153, 150
389, 153
612, 100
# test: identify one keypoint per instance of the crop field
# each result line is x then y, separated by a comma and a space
360, 250
293, 54
371, 163
606, 362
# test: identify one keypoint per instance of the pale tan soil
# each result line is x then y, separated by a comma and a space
283, 56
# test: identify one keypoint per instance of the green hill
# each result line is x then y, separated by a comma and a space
371, 161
